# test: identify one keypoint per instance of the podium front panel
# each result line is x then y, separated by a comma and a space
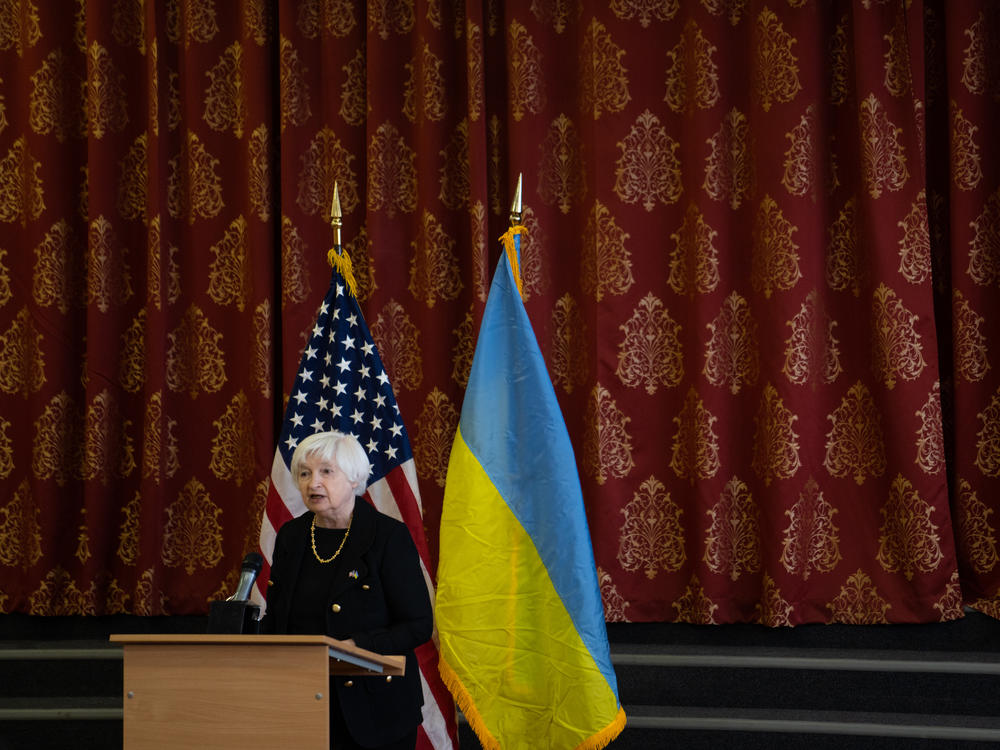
226, 696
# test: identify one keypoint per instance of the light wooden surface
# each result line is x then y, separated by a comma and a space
232, 692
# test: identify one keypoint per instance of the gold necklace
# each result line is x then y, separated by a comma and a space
312, 535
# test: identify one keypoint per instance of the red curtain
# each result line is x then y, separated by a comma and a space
762, 244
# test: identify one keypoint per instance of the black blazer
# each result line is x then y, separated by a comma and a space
379, 599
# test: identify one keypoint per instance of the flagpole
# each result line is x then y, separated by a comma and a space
515, 207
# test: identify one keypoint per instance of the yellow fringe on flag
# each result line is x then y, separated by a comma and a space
467, 705
341, 262
508, 245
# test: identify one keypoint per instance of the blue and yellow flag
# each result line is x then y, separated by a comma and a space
524, 647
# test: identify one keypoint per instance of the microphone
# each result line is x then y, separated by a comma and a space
248, 574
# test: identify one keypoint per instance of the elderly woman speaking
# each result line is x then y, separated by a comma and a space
345, 570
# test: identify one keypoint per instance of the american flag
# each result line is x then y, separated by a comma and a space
342, 385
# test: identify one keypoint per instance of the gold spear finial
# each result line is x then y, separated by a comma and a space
515, 207
336, 216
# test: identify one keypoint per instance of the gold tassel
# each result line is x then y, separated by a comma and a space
515, 266
341, 261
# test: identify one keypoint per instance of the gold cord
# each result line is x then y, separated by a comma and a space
312, 535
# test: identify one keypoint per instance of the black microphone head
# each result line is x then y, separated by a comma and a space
253, 561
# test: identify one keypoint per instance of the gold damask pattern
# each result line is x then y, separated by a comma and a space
775, 444
58, 443
732, 10
56, 104
21, 191
882, 154
433, 435
327, 162
424, 96
811, 542
965, 161
984, 248
105, 101
775, 259
692, 75
194, 187
129, 532
695, 448
843, 263
398, 342
20, 29
109, 280
729, 168
930, 434
976, 536
334, 18
20, 533
557, 13
480, 250
455, 187
971, 353
229, 281
133, 179
915, 244
387, 17
6, 450
294, 92
650, 352
191, 21
434, 270
855, 445
732, 539
353, 102
648, 170
160, 448
392, 175
732, 356
526, 89
225, 102
58, 595
859, 602
5, 291
694, 262
606, 265
603, 76
614, 603
988, 438
132, 359
192, 534
607, 444
463, 350
22, 361
694, 605
896, 348
568, 363
233, 445
262, 367
651, 538
259, 168
359, 250
898, 81
645, 10
977, 75
802, 159
561, 174
195, 358
474, 67
908, 540
107, 450
775, 73
772, 610
811, 352
534, 258
295, 286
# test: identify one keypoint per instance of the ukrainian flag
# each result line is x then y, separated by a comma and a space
524, 647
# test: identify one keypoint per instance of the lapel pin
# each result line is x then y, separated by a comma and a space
353, 574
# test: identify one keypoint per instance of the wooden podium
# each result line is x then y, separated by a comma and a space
225, 692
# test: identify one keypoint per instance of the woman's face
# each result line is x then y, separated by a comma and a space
326, 491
